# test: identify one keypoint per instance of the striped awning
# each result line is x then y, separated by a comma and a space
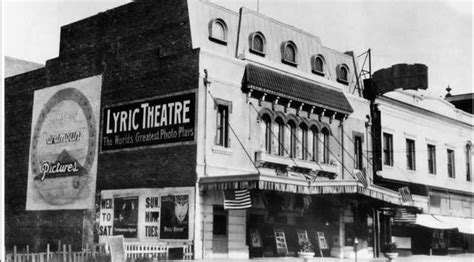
299, 186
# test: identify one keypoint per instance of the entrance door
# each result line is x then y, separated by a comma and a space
220, 237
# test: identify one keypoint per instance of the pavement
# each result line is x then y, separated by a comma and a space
466, 257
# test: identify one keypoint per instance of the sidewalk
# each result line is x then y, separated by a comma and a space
414, 258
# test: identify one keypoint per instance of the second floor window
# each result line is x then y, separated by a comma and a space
292, 139
358, 164
268, 133
451, 168
410, 146
222, 134
325, 146
304, 142
315, 147
387, 149
468, 162
281, 137
431, 159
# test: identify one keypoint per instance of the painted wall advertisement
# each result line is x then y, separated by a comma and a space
147, 214
62, 166
156, 121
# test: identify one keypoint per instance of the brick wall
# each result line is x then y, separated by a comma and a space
142, 49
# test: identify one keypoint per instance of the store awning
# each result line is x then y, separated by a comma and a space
286, 86
428, 220
299, 186
464, 225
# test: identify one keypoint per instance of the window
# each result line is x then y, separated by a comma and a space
451, 168
431, 159
387, 149
410, 147
343, 74
219, 225
304, 141
315, 147
435, 201
318, 65
468, 162
281, 137
325, 146
268, 133
218, 31
257, 43
292, 139
222, 137
358, 153
289, 53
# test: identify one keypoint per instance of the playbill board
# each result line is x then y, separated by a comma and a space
62, 166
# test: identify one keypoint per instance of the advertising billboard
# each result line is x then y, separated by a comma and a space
150, 122
62, 166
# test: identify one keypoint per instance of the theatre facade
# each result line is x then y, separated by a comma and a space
154, 109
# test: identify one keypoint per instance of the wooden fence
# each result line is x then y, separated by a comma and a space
135, 251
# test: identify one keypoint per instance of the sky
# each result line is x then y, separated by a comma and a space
436, 33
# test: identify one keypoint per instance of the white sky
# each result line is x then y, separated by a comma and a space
436, 33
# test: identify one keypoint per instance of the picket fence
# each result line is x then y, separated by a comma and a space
135, 252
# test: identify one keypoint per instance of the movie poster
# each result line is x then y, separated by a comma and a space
62, 166
174, 217
126, 216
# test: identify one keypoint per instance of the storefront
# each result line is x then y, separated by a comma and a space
331, 216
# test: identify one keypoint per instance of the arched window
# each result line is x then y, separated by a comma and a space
343, 74
257, 43
304, 141
218, 31
289, 53
315, 147
317, 64
281, 136
268, 133
468, 162
292, 138
325, 133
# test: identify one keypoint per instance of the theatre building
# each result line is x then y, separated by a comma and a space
156, 112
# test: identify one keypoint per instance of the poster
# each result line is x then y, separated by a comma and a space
126, 216
62, 166
154, 121
174, 222
255, 239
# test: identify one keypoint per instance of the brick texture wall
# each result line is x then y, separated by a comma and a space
142, 49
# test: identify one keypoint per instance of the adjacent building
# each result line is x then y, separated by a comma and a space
423, 143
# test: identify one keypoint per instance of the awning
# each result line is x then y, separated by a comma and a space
299, 186
464, 225
431, 221
285, 86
